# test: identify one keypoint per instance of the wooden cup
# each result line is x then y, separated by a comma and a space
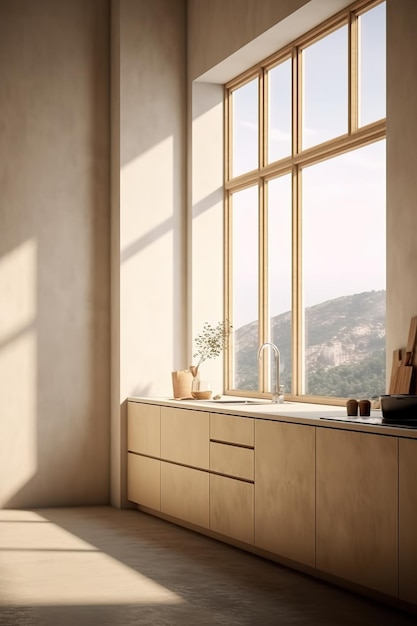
352, 407
364, 408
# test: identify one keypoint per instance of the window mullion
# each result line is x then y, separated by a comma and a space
228, 135
297, 286
353, 105
296, 279
263, 308
263, 119
228, 373
297, 104
263, 367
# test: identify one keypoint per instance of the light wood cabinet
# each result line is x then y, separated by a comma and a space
185, 493
144, 428
185, 437
232, 508
357, 508
285, 490
342, 502
144, 481
408, 520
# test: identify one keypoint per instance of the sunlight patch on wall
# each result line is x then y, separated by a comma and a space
18, 368
151, 205
147, 191
207, 143
18, 289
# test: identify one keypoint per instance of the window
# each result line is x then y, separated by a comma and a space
305, 213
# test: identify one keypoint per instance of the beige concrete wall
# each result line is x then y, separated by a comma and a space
54, 252
401, 171
149, 207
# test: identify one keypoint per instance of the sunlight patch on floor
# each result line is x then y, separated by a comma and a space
47, 565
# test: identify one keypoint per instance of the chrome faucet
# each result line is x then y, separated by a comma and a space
277, 396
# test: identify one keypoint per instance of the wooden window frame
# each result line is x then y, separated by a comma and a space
354, 138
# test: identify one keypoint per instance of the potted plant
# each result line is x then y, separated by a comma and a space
210, 343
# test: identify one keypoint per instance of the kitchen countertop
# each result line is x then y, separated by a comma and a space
326, 416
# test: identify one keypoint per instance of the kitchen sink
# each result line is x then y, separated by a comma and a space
252, 402
240, 402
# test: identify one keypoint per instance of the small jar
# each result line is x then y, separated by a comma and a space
364, 408
352, 407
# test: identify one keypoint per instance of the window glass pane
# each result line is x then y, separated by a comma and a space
280, 111
325, 88
279, 263
344, 274
372, 65
245, 128
245, 287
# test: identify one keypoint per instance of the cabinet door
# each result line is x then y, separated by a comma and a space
144, 428
357, 507
408, 520
185, 493
232, 508
285, 490
144, 481
185, 437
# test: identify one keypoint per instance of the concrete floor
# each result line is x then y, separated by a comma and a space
99, 566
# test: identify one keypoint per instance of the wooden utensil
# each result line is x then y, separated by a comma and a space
404, 374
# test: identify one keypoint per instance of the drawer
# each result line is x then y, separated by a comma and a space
232, 429
232, 460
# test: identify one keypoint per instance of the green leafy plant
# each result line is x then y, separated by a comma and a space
211, 342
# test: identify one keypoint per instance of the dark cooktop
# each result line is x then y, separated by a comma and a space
375, 421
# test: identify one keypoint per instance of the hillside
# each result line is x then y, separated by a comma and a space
345, 347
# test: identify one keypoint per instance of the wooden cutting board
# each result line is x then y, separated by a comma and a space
396, 362
403, 378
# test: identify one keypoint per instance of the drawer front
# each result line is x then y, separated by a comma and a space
144, 481
144, 428
185, 437
232, 429
232, 508
232, 460
185, 493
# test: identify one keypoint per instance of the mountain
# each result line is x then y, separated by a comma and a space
345, 347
